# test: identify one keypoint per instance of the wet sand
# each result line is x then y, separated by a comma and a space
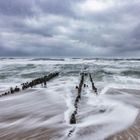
12, 124
132, 132
57, 130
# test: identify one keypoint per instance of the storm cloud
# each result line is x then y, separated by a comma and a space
76, 28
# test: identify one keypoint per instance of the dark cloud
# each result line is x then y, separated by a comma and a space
16, 7
59, 7
11, 52
70, 28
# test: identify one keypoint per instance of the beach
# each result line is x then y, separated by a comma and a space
43, 113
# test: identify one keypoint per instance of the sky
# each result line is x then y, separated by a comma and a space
70, 28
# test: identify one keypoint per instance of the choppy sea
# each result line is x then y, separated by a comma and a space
50, 108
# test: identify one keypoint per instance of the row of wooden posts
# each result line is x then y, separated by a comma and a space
73, 116
79, 88
33, 83
93, 85
44, 80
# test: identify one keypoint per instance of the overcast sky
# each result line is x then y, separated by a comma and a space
64, 28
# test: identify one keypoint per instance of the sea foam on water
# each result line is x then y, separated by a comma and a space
50, 108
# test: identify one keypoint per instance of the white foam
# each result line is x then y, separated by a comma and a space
110, 121
127, 80
52, 107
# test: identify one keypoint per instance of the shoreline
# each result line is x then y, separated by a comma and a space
56, 131
132, 132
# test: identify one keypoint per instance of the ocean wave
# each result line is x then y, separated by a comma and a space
34, 74
47, 59
113, 59
8, 75
131, 73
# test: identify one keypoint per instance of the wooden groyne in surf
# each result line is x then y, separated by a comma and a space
73, 116
33, 83
79, 88
93, 85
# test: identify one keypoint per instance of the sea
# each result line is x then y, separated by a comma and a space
43, 113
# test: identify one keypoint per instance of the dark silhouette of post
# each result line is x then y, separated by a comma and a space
41, 80
73, 116
92, 83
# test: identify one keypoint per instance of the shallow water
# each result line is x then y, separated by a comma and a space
44, 113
